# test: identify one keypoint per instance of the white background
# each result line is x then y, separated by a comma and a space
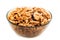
52, 32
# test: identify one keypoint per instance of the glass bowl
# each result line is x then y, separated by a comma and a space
28, 31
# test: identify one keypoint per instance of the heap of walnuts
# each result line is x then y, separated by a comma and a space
29, 16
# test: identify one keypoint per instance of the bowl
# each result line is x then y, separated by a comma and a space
28, 31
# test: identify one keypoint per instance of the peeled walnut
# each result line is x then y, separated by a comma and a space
29, 22
36, 16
